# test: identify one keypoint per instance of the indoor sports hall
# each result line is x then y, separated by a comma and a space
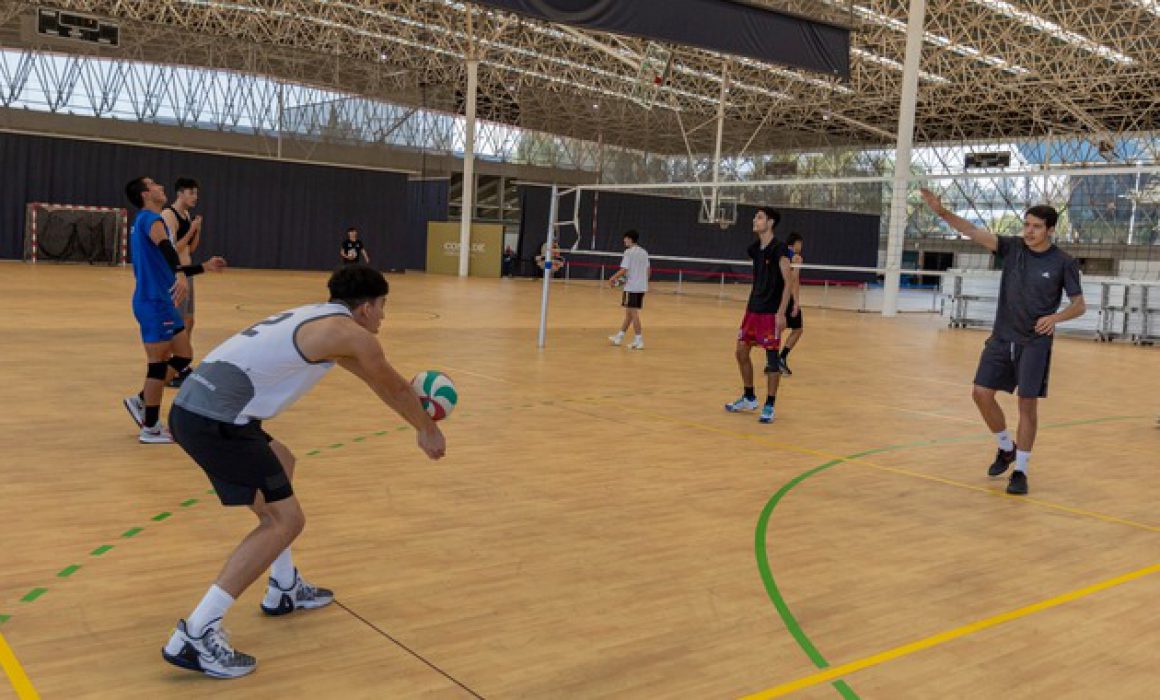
610, 519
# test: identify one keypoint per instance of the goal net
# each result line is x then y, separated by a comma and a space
75, 233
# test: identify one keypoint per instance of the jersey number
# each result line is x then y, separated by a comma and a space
272, 321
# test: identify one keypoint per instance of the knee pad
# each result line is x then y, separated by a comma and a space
157, 370
179, 363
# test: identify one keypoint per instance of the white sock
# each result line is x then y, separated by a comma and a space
211, 608
637, 338
282, 570
1005, 442
1021, 458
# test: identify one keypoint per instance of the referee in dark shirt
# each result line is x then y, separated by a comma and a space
1018, 354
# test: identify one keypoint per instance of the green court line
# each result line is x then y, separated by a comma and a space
771, 588
399, 430
132, 532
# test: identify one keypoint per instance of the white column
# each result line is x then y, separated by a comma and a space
897, 231
468, 170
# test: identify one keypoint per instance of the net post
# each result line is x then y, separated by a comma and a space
680, 280
552, 209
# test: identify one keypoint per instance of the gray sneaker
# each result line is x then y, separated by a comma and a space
283, 601
136, 408
209, 653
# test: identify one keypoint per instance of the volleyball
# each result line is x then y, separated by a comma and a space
436, 393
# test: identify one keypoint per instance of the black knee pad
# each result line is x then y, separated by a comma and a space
179, 363
157, 370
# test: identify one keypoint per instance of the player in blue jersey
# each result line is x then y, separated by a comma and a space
161, 285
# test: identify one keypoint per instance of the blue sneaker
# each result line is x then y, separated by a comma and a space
766, 414
741, 404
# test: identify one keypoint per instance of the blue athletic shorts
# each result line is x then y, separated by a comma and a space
159, 320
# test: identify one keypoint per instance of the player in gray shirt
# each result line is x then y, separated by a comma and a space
1018, 354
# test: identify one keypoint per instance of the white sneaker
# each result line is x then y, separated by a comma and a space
282, 601
136, 408
157, 435
210, 653
741, 404
637, 344
616, 339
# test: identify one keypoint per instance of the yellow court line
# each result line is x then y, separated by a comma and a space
15, 673
832, 673
905, 472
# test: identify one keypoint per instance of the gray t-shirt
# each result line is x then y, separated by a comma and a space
1031, 287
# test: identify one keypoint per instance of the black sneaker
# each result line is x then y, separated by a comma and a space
1017, 486
783, 367
1003, 459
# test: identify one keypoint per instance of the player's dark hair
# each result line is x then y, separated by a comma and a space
352, 228
772, 214
185, 183
357, 284
135, 190
632, 234
1049, 215
794, 238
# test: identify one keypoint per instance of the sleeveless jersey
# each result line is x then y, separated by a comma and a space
183, 225
259, 372
155, 278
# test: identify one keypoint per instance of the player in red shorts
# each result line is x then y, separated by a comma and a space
764, 314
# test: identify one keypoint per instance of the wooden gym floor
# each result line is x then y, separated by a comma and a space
601, 527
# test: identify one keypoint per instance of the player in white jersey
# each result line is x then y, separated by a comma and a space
217, 419
634, 267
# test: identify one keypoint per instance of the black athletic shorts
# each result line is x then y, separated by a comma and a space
632, 300
1005, 365
793, 322
237, 458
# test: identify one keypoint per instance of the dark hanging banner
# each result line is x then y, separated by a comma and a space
718, 25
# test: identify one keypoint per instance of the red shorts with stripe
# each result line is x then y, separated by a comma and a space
759, 329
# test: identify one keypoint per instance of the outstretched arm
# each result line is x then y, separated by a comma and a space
359, 353
977, 234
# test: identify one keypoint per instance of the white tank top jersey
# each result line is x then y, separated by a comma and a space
258, 373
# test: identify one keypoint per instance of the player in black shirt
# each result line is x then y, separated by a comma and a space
1018, 353
352, 248
764, 314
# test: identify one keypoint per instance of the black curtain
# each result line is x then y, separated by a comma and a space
426, 201
668, 226
729, 26
258, 213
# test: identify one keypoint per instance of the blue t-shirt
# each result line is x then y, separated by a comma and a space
155, 278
